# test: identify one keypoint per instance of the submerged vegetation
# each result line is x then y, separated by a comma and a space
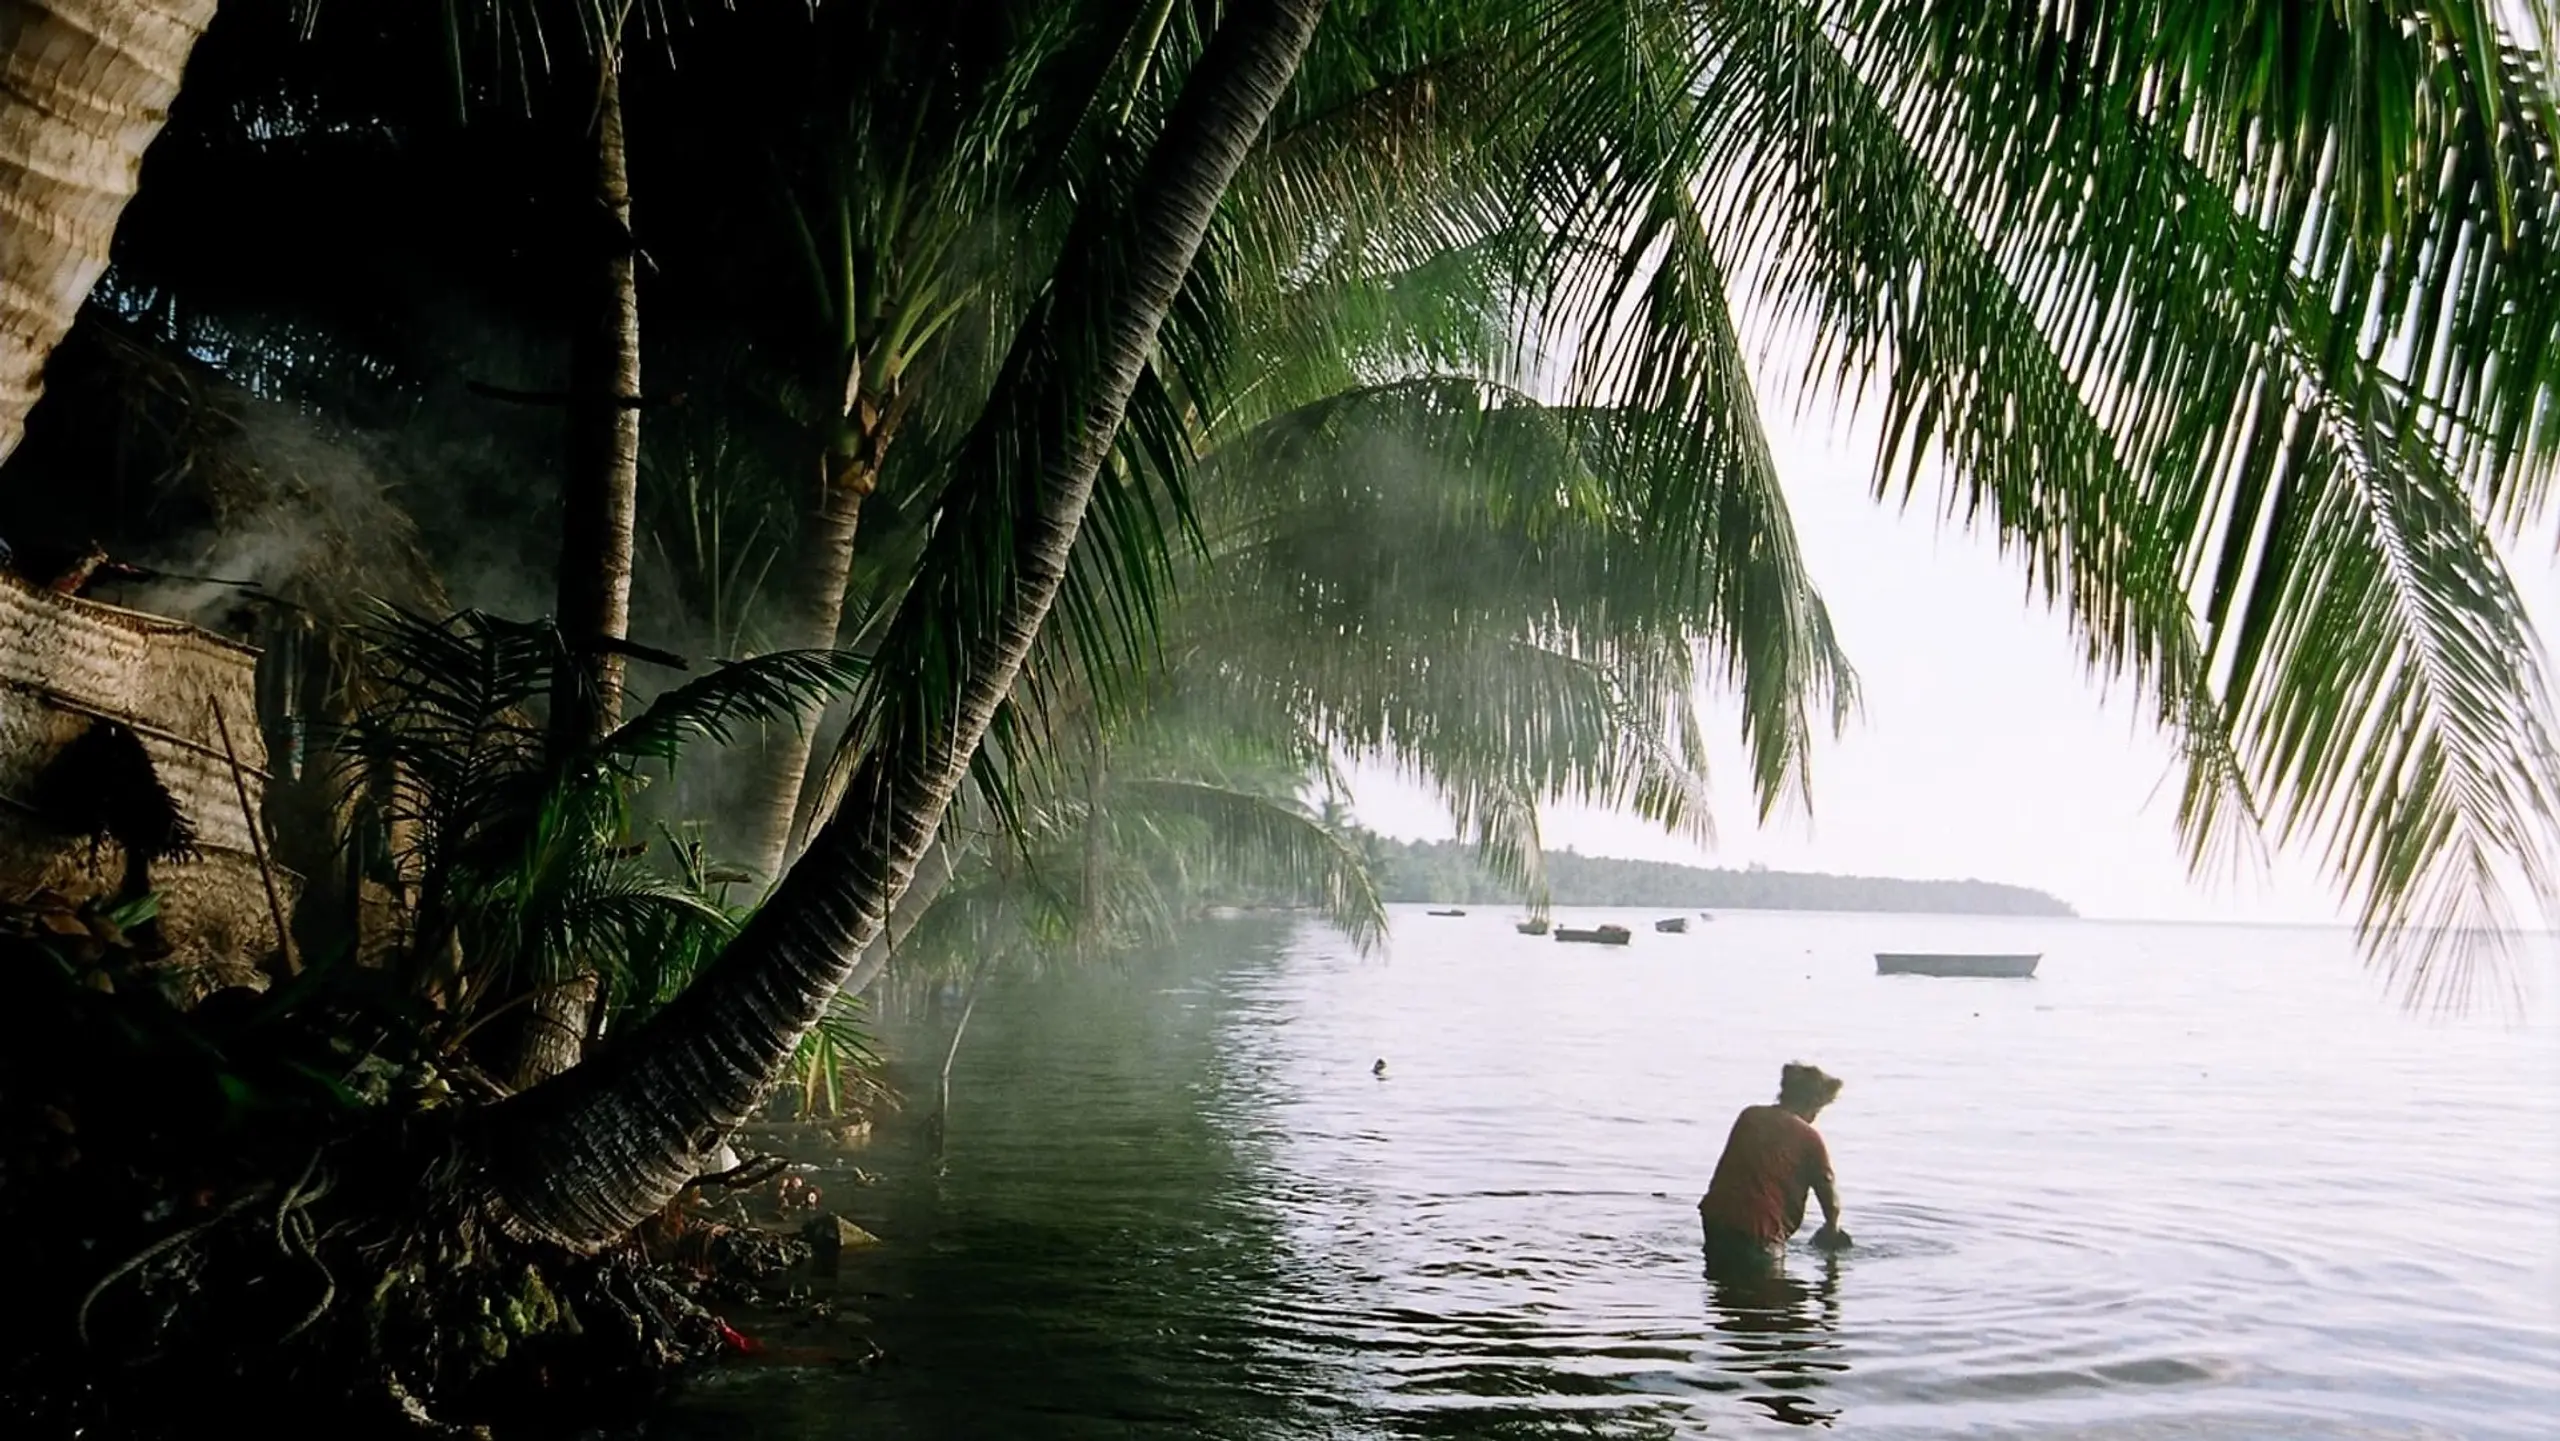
744, 503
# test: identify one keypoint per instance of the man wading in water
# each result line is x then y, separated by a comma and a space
1773, 1157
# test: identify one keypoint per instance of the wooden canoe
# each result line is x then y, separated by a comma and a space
2015, 968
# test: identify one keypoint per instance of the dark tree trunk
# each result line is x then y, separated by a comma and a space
599, 500
599, 494
582, 1160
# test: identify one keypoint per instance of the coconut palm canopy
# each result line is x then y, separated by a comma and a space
2235, 324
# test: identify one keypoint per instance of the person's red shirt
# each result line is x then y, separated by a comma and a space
1770, 1161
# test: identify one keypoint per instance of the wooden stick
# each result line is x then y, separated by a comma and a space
46, 695
257, 841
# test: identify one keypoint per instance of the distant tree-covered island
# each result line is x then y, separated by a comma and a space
1446, 873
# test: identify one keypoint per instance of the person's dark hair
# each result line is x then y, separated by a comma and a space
1800, 1083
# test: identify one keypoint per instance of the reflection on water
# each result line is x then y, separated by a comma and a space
2187, 1183
1776, 1338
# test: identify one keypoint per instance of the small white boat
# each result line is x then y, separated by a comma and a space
2015, 968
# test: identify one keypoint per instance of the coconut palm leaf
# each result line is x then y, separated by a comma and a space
781, 685
838, 1068
515, 852
1456, 578
2225, 426
1254, 840
2093, 360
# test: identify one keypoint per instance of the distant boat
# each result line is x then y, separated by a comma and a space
1531, 928
1673, 925
2015, 968
1444, 913
1597, 935
1706, 915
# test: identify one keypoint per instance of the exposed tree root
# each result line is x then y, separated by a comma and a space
80, 1319
235, 1212
445, 1324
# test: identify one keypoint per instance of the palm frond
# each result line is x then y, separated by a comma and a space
1259, 841
1458, 577
781, 685
2177, 401
837, 1067
556, 921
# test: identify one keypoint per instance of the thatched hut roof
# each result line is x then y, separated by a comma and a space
67, 665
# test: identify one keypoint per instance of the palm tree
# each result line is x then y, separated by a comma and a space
2266, 349
599, 494
917, 215
1423, 567
902, 275
1430, 573
599, 509
581, 1160
2237, 333
84, 87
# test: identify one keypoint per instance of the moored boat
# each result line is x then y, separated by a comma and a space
1672, 925
2015, 968
1444, 913
1531, 928
1596, 935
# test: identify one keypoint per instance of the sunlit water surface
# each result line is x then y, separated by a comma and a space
2188, 1181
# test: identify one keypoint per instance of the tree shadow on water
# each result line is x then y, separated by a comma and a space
1776, 1338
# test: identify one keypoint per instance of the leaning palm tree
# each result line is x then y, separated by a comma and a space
2280, 353
2233, 322
580, 1161
84, 87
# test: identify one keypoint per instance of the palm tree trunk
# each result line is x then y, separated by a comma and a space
599, 494
812, 614
599, 500
580, 1161
84, 87
924, 887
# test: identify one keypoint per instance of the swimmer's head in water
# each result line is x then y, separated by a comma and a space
1806, 1089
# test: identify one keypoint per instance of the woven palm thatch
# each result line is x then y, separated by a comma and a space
68, 666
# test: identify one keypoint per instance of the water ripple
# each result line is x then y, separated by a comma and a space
2188, 1183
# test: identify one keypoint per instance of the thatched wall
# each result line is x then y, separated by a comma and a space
66, 663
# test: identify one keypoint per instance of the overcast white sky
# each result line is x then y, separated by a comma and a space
1982, 751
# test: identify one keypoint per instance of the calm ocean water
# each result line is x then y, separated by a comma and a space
2189, 1181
